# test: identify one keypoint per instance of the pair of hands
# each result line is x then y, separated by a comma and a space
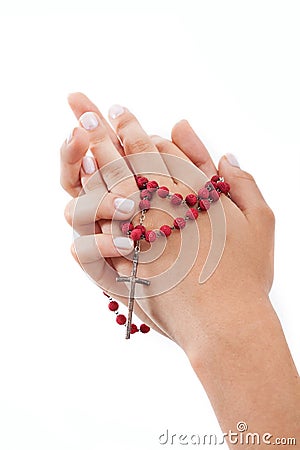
193, 315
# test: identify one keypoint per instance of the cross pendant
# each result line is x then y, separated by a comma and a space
133, 280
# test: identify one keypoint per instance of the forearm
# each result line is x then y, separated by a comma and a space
249, 375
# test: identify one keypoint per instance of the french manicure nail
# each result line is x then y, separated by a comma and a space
124, 205
232, 160
116, 111
88, 165
89, 121
123, 243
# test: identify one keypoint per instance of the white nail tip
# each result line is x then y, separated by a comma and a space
124, 205
232, 160
123, 243
116, 111
89, 121
88, 165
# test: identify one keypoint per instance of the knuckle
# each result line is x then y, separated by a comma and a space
99, 137
245, 176
115, 173
124, 123
269, 215
138, 145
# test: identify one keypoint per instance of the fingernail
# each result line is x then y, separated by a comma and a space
89, 121
70, 137
88, 165
124, 205
123, 243
232, 160
116, 111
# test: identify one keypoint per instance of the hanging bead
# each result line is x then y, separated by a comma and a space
133, 329
121, 319
144, 328
113, 305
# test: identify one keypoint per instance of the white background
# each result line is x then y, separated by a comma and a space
68, 380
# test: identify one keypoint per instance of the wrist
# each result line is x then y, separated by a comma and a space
229, 328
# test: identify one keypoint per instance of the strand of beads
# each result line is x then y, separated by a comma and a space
201, 202
113, 306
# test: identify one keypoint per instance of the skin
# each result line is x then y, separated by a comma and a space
226, 326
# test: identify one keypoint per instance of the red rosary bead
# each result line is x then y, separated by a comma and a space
144, 328
141, 182
166, 230
203, 193
133, 329
214, 195
152, 186
191, 199
144, 204
136, 234
140, 227
215, 178
113, 305
204, 204
121, 319
145, 193
126, 227
192, 214
150, 236
176, 199
224, 187
163, 191
179, 223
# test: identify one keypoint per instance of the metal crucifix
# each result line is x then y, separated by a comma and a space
133, 280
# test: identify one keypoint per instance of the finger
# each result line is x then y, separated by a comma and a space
113, 167
90, 177
244, 191
96, 247
189, 143
136, 142
80, 104
165, 146
95, 206
72, 151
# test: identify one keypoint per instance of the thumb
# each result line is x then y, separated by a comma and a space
244, 191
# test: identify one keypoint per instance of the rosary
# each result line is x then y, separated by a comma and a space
194, 204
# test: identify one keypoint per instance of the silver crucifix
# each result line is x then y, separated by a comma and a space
133, 280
